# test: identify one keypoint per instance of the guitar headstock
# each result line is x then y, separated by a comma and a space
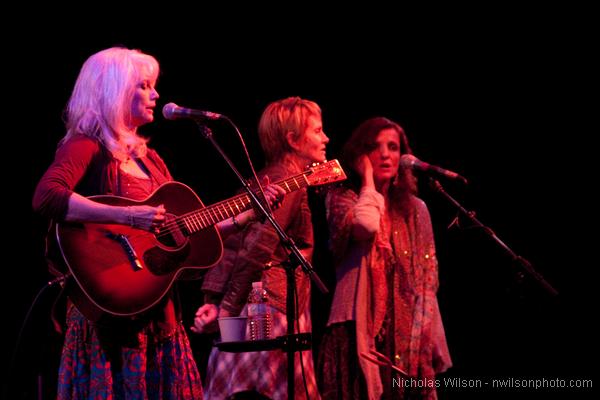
324, 173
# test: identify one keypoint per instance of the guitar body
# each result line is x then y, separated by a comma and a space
124, 271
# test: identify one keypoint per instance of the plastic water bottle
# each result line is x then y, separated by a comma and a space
259, 316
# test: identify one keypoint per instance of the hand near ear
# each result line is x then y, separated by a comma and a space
364, 168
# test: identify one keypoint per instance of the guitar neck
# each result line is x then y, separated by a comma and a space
200, 219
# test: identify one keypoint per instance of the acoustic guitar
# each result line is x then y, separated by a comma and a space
123, 271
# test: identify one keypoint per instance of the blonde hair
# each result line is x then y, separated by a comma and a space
279, 118
100, 105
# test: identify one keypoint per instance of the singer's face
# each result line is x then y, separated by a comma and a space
312, 144
385, 156
144, 102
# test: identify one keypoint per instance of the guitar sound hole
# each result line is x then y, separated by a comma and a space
173, 234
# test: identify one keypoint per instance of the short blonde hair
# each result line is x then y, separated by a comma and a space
279, 118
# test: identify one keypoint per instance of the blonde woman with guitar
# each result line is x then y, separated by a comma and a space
121, 249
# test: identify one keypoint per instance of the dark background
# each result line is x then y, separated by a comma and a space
502, 102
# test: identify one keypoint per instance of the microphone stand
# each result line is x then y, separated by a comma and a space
291, 342
526, 265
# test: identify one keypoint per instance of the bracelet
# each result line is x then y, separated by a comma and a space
236, 223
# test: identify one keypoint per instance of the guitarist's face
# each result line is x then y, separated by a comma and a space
144, 102
312, 143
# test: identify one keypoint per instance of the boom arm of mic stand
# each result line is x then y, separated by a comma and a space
526, 265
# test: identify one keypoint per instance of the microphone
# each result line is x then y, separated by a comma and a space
173, 111
411, 162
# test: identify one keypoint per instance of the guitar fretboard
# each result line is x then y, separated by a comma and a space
197, 220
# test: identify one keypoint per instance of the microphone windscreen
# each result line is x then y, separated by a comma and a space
169, 110
408, 160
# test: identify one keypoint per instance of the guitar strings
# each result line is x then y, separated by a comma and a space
196, 218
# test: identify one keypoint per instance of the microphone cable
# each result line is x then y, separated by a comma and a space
13, 358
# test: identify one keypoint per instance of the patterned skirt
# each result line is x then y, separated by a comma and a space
340, 376
142, 367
